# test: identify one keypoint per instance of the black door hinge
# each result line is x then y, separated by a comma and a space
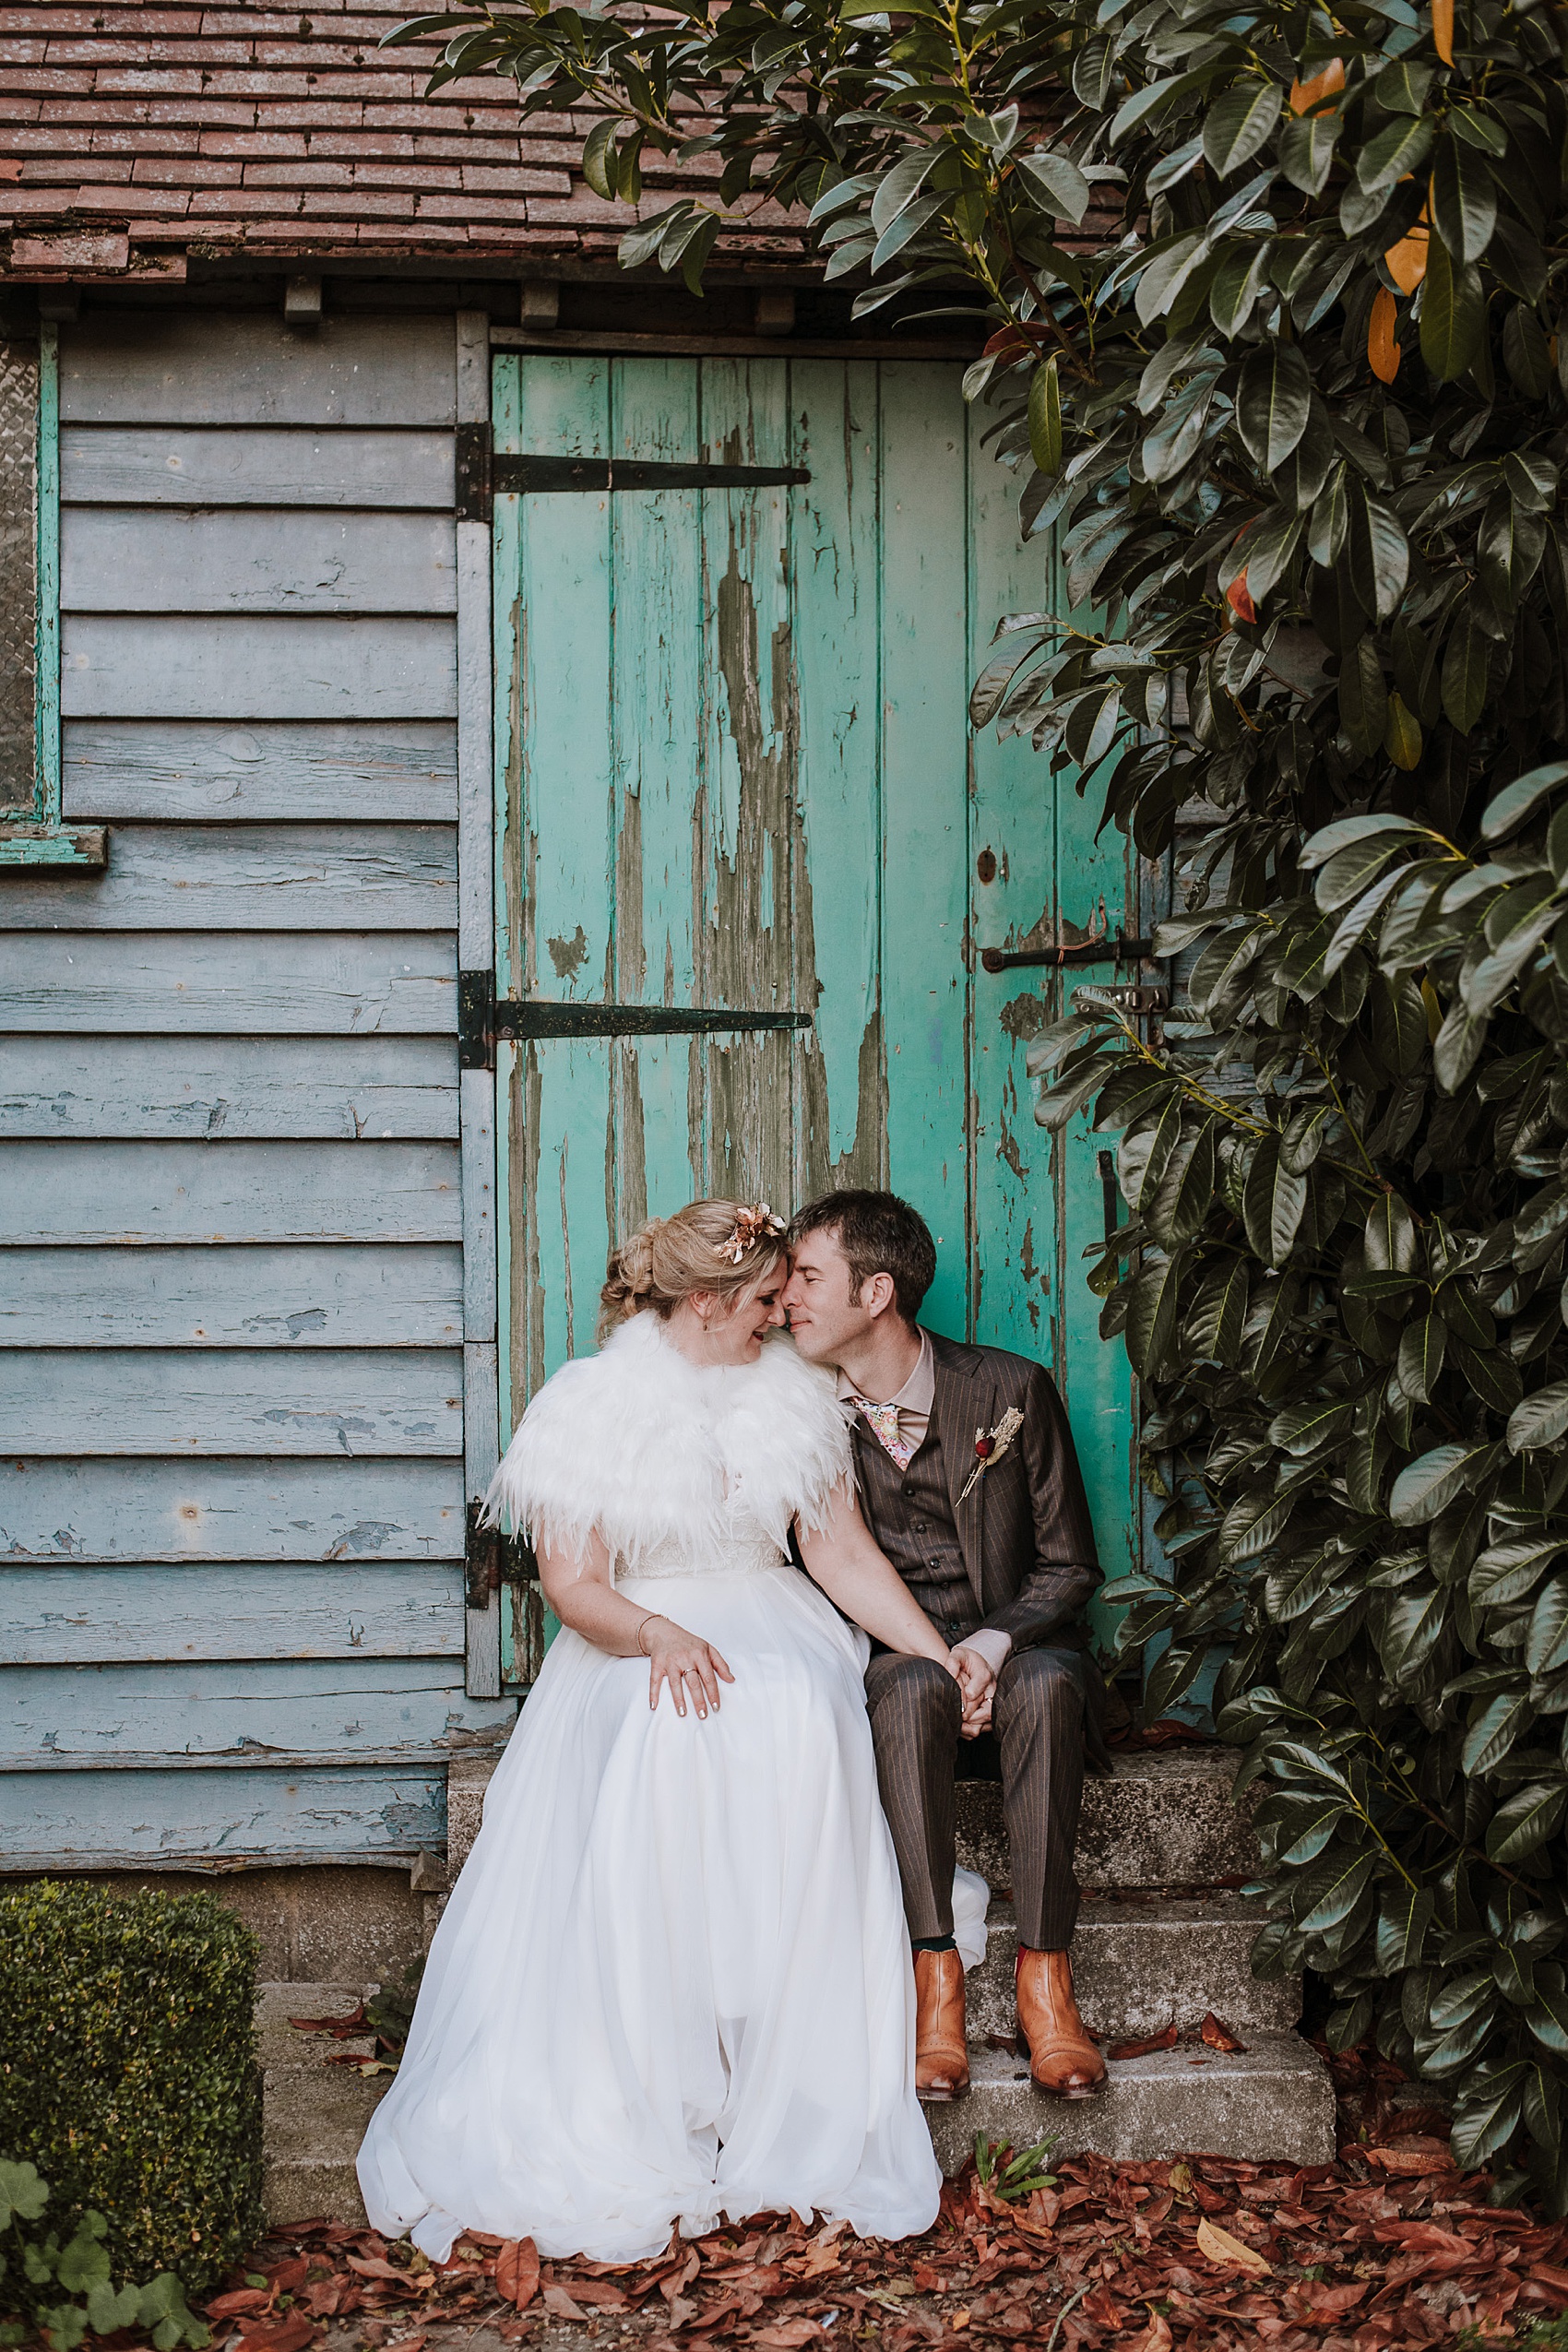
476, 1020
473, 497
481, 1019
479, 474
481, 1559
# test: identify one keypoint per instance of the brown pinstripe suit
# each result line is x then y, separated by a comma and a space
1028, 1549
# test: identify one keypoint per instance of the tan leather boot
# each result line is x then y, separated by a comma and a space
1063, 2061
941, 2053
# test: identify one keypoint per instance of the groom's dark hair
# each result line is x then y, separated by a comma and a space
879, 1234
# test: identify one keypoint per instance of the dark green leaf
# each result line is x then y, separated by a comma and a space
1238, 123
1464, 200
1453, 314
1272, 403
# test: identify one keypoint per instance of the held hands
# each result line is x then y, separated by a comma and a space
977, 1682
692, 1668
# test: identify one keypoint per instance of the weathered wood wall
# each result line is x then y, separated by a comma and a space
232, 1323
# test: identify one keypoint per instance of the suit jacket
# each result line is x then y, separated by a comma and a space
1025, 1529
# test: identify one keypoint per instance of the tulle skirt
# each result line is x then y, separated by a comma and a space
673, 1982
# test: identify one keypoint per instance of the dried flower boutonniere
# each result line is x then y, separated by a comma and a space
990, 1444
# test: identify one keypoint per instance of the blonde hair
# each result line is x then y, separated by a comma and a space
672, 1258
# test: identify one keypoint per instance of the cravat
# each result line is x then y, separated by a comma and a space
883, 1421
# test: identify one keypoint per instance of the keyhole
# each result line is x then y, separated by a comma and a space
985, 865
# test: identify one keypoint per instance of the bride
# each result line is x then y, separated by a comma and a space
673, 1982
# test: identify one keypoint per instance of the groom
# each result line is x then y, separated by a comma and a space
968, 1481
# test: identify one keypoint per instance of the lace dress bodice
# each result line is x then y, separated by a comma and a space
745, 1552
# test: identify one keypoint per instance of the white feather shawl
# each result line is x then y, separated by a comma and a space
648, 1447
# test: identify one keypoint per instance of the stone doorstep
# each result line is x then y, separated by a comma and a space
1161, 1817
1137, 1968
314, 2115
1275, 2102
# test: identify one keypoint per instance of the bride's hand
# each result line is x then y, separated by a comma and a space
687, 1664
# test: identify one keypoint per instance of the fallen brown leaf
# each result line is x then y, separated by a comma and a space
355, 2022
786, 2336
516, 2272
1156, 2337
557, 2301
1218, 2036
1167, 2040
1412, 2157
244, 2299
289, 2336
1218, 2246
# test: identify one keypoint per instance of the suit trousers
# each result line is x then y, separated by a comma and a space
1038, 1729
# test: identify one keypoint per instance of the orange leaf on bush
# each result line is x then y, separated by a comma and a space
1443, 29
516, 2272
1383, 351
1239, 598
1320, 84
1406, 259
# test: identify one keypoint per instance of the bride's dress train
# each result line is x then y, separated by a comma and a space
673, 1981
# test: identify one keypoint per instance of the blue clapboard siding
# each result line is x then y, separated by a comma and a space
243, 1089
54, 1616
231, 1281
327, 1297
333, 1711
118, 1509
260, 1810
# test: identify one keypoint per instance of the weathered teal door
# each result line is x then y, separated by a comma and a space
736, 778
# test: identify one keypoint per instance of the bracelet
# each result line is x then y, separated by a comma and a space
648, 1620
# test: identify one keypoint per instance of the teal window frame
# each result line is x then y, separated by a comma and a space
35, 834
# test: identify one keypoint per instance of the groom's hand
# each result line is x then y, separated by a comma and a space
977, 1682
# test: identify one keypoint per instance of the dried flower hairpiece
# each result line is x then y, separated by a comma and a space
751, 1226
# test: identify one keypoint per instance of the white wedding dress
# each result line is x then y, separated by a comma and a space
673, 1982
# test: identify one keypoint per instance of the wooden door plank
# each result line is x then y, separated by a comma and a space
341, 1512
134, 1193
248, 367
249, 983
300, 1296
557, 861
137, 465
566, 589
657, 690
173, 1820
925, 794
104, 1717
231, 666
843, 1106
238, 1089
125, 559
383, 771
747, 813
336, 877
140, 1611
133, 1401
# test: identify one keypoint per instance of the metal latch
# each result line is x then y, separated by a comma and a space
1135, 1000
481, 1559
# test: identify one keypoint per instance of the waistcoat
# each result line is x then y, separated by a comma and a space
910, 1514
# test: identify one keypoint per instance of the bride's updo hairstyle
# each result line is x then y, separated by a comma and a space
721, 1247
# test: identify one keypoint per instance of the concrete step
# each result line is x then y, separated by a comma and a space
314, 2115
1276, 2101
1161, 1817
1141, 1965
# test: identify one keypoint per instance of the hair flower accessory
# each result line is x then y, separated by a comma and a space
990, 1444
751, 1226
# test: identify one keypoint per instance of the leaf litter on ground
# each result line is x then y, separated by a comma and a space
1389, 2248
